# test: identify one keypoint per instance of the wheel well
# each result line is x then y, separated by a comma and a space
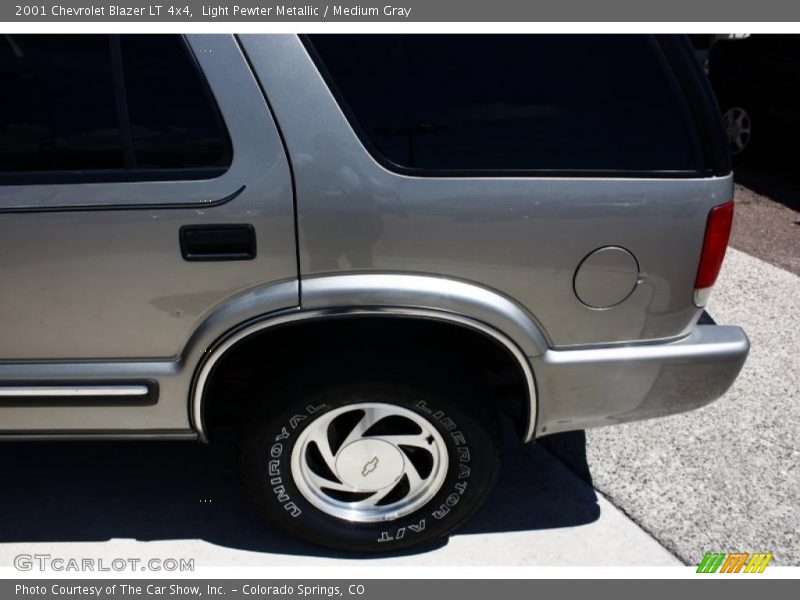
250, 376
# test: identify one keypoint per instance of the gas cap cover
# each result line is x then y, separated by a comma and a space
606, 277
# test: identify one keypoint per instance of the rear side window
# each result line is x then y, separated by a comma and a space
511, 103
99, 108
174, 121
57, 109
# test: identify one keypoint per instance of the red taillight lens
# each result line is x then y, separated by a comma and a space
718, 230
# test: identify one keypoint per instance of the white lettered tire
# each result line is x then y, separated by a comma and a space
372, 465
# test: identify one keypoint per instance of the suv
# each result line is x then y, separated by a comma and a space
358, 252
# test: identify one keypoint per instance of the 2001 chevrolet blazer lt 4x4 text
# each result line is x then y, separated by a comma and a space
358, 252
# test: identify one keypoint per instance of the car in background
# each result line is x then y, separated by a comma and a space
757, 83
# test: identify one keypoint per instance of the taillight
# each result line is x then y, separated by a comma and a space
718, 230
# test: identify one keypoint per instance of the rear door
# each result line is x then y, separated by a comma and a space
142, 183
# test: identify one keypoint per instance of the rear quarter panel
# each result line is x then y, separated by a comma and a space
523, 237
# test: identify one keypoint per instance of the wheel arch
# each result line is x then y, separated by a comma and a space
205, 372
418, 297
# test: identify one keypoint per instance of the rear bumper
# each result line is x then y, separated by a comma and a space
604, 386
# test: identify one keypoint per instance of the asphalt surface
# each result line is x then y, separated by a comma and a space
724, 478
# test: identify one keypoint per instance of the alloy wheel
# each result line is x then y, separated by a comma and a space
736, 121
369, 462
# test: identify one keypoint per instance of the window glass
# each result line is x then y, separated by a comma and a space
57, 109
174, 122
510, 102
98, 107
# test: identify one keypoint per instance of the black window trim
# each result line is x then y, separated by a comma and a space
669, 65
132, 173
121, 101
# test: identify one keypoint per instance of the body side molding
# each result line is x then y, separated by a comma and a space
203, 204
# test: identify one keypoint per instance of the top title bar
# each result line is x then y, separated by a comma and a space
464, 11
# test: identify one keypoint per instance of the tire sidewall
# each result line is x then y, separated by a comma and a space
472, 463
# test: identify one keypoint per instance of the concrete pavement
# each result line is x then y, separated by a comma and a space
182, 500
726, 477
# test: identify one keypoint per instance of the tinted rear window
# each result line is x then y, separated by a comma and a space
530, 103
98, 107
57, 109
174, 122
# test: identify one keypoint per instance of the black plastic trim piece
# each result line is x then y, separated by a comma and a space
29, 178
102, 207
218, 242
121, 101
706, 319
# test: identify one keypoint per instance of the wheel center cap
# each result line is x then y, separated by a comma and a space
370, 465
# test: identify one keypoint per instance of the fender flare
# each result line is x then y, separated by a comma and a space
408, 296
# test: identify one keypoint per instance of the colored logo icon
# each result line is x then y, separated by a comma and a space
735, 562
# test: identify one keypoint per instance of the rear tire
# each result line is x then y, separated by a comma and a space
385, 492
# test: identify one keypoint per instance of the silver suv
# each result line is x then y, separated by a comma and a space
359, 253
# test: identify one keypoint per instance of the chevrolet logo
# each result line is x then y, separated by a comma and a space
370, 466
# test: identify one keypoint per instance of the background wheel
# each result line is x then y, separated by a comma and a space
372, 466
737, 123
